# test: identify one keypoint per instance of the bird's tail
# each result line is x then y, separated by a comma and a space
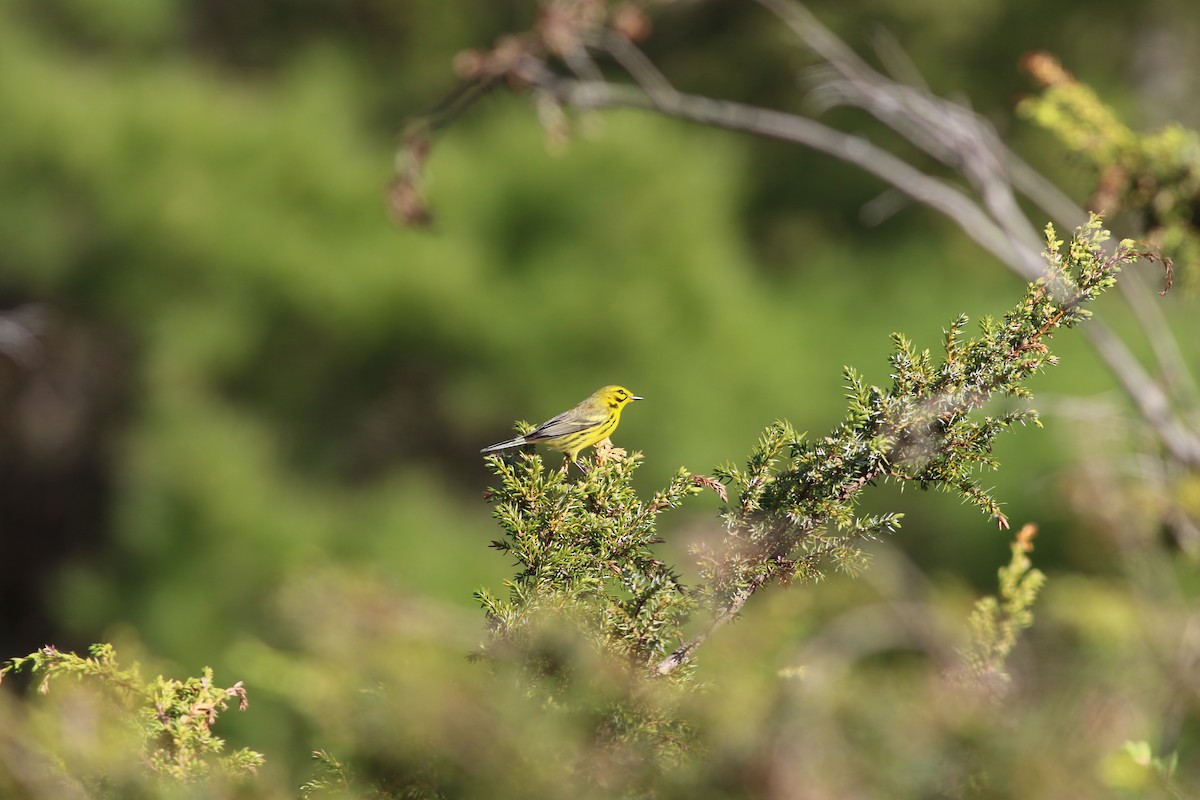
517, 442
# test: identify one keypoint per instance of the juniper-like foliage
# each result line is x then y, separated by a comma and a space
794, 515
583, 552
172, 720
583, 549
591, 609
1153, 176
998, 620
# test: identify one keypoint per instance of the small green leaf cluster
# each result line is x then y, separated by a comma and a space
50, 664
998, 620
172, 719
181, 714
332, 776
584, 551
1155, 175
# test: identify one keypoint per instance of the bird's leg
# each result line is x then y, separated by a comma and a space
582, 467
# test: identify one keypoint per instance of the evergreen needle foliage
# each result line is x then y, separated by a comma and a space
591, 610
597, 625
795, 515
333, 776
998, 620
584, 551
583, 548
172, 720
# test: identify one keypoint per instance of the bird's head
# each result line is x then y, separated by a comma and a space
616, 397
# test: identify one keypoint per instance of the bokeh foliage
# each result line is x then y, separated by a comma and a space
276, 397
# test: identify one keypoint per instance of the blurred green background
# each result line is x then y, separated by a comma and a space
254, 385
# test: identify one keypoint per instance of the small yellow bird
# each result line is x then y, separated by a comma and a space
581, 427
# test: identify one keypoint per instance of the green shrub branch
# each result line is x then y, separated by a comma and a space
585, 546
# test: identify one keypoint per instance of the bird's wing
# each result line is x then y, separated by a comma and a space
564, 424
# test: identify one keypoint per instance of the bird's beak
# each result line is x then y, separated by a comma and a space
635, 397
